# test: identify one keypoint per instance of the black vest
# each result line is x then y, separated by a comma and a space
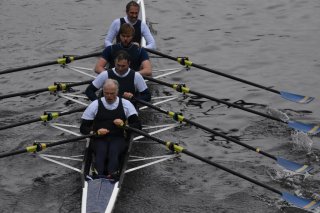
137, 31
126, 84
133, 50
105, 118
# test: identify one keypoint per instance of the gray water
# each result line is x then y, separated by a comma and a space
273, 43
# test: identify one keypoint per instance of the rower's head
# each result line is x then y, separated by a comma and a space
132, 10
126, 34
122, 62
110, 90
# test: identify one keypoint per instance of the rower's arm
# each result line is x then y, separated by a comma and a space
100, 65
146, 68
145, 95
112, 32
91, 92
134, 121
145, 31
86, 126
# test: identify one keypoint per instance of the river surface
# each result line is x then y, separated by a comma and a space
274, 43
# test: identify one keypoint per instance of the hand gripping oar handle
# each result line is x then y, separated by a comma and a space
45, 117
63, 60
52, 88
295, 200
41, 146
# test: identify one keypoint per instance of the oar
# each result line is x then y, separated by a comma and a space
64, 60
307, 128
47, 116
286, 95
292, 199
289, 165
51, 88
37, 147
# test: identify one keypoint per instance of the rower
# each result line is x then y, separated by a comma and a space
131, 83
141, 29
102, 117
139, 57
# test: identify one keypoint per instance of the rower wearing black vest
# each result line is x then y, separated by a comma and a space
141, 29
139, 57
103, 116
131, 82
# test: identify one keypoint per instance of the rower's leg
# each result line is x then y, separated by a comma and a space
116, 148
101, 150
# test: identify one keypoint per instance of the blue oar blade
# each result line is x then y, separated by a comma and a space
307, 128
296, 98
293, 166
302, 203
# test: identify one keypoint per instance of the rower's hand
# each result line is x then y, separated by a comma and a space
102, 131
118, 122
127, 95
136, 43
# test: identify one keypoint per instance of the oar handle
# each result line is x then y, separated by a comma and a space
206, 160
79, 83
95, 54
214, 71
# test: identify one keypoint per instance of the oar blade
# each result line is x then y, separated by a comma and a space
296, 98
302, 203
293, 166
307, 128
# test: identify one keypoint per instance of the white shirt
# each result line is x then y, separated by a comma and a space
139, 82
115, 27
92, 110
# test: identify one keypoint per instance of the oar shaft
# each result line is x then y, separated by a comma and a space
216, 72
235, 106
43, 146
209, 130
23, 93
20, 123
217, 100
229, 138
74, 139
58, 114
95, 54
47, 63
28, 67
207, 161
79, 83
12, 153
68, 85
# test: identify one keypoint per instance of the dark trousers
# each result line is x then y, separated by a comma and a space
108, 152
